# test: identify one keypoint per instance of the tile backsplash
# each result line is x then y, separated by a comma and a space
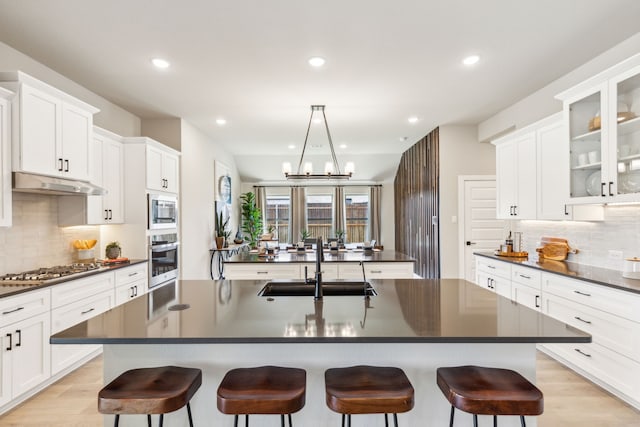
35, 239
620, 231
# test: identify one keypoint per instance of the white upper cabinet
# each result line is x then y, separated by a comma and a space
532, 174
51, 131
516, 176
5, 157
603, 130
162, 169
107, 171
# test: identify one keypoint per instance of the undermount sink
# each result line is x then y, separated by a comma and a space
329, 288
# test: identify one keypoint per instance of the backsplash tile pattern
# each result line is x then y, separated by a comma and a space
620, 231
35, 240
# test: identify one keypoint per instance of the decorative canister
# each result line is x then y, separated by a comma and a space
631, 268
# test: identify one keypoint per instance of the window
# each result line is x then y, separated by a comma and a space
357, 207
319, 216
277, 216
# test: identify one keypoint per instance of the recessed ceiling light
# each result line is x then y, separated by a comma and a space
412, 119
291, 146
221, 121
317, 61
160, 63
343, 146
403, 138
471, 60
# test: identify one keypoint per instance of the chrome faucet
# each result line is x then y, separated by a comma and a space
317, 295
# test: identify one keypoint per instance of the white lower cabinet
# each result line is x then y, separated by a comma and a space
73, 303
259, 271
130, 283
24, 355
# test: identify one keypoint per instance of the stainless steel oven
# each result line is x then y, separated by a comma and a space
163, 211
163, 258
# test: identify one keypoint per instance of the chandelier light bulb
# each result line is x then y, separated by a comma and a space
308, 168
328, 168
286, 168
349, 168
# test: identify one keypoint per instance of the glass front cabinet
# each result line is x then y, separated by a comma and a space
602, 117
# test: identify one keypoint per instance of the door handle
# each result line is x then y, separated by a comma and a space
610, 192
19, 332
13, 311
537, 301
66, 165
106, 214
87, 311
110, 214
582, 320
469, 243
602, 184
582, 352
10, 342
582, 293
565, 210
60, 165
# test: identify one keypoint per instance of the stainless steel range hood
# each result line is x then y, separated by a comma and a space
42, 184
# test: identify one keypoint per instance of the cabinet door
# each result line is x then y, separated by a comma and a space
5, 164
588, 135
77, 129
40, 131
112, 153
31, 363
526, 296
552, 172
154, 169
624, 147
6, 358
96, 213
170, 172
525, 206
506, 185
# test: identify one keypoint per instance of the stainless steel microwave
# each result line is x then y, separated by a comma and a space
163, 211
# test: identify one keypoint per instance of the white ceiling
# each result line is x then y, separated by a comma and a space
246, 60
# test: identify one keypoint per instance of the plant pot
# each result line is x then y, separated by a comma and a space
219, 242
113, 253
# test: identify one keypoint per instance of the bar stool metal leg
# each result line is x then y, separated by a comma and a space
495, 421
522, 421
475, 420
149, 420
117, 420
386, 420
189, 413
290, 423
395, 420
453, 408
161, 420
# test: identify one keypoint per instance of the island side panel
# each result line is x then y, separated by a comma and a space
419, 361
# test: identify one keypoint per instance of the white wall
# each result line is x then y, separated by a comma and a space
541, 104
197, 187
166, 131
110, 117
460, 154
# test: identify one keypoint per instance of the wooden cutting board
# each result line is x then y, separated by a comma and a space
554, 248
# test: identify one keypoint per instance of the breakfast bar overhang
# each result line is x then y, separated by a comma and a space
414, 324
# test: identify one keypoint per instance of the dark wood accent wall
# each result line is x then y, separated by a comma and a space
417, 204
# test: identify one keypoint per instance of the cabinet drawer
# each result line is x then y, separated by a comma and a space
259, 272
526, 276
376, 270
130, 291
79, 311
79, 289
493, 267
131, 274
620, 303
329, 271
526, 295
23, 306
613, 332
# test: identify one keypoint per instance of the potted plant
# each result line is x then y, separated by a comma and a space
340, 236
251, 219
269, 234
113, 250
221, 230
304, 234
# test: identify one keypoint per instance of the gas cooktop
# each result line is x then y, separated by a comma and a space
42, 276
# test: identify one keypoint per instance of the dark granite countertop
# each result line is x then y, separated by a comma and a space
597, 275
329, 256
404, 311
11, 290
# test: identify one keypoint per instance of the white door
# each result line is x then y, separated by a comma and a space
479, 229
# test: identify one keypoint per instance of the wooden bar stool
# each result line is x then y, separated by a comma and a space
368, 390
262, 390
150, 391
489, 391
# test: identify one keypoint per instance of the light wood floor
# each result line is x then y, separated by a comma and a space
569, 401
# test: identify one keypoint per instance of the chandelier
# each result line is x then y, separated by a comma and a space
331, 169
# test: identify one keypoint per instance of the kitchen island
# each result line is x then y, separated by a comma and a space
415, 324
